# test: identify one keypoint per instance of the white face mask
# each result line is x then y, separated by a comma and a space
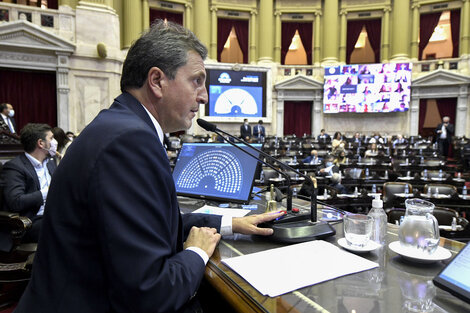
11, 113
53, 148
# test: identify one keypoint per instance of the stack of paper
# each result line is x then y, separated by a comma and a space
278, 271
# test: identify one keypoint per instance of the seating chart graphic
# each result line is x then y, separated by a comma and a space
216, 169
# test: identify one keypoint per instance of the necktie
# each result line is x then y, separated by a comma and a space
10, 125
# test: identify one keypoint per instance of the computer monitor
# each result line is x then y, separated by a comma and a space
215, 171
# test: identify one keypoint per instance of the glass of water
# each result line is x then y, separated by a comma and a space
357, 229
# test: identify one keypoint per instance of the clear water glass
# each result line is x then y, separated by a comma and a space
357, 229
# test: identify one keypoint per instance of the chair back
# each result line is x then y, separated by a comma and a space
444, 189
353, 173
390, 189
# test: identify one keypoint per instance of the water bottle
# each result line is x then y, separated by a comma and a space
459, 175
422, 160
408, 174
429, 192
356, 192
464, 190
406, 161
440, 173
294, 192
358, 159
296, 176
295, 159
386, 174
436, 192
407, 189
367, 172
454, 224
374, 188
261, 177
325, 194
379, 228
425, 174
404, 152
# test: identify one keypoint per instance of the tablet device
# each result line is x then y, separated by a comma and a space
455, 277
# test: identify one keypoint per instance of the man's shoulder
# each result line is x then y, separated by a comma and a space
17, 161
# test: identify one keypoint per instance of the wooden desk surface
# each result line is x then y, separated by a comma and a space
389, 288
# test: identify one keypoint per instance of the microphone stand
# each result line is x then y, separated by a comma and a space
289, 232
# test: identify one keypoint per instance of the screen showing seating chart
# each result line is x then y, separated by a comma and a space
457, 272
215, 171
236, 93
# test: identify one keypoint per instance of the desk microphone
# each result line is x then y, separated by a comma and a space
291, 232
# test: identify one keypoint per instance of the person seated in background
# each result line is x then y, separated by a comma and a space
357, 139
340, 157
376, 138
70, 135
312, 158
337, 142
63, 142
399, 140
335, 182
328, 168
372, 151
28, 176
323, 136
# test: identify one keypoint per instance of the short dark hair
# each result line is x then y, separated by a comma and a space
260, 122
3, 106
165, 45
30, 134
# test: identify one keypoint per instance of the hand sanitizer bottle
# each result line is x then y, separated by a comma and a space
379, 228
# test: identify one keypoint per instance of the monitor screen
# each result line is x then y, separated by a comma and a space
236, 93
367, 88
216, 171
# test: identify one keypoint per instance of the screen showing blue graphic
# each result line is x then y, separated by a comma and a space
236, 93
215, 171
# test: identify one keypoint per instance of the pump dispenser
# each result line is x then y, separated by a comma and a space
379, 229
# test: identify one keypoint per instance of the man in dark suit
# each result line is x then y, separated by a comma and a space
245, 130
328, 168
323, 137
7, 113
28, 176
444, 132
259, 131
113, 238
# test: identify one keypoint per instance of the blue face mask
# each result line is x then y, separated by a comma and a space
328, 164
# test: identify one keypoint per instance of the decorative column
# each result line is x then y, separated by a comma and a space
277, 37
202, 28
465, 32
132, 21
145, 14
413, 113
330, 32
461, 112
63, 91
344, 32
187, 15
213, 47
70, 3
317, 124
317, 39
415, 31
252, 55
265, 26
280, 117
385, 53
400, 30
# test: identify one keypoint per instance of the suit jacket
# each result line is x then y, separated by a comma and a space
22, 192
112, 235
259, 131
245, 131
449, 129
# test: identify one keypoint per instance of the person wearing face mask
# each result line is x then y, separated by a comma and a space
328, 169
7, 113
245, 130
28, 176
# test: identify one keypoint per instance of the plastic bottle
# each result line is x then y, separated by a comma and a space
407, 189
440, 173
464, 190
325, 194
374, 188
380, 220
367, 172
425, 174
294, 192
261, 178
356, 192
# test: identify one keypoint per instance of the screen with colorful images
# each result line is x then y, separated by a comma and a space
367, 88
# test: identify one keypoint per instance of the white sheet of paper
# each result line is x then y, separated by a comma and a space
209, 209
278, 271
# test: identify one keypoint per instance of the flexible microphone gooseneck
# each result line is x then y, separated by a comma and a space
291, 232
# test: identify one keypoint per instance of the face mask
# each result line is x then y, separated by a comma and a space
328, 164
11, 113
53, 148
70, 138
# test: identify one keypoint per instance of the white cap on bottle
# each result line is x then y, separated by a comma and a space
377, 202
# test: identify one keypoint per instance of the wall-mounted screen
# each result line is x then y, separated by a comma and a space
236, 93
367, 88
215, 171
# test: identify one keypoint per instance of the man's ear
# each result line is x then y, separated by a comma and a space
155, 78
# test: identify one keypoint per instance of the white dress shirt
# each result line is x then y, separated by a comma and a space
226, 223
44, 178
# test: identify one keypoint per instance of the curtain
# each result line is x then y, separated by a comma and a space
241, 30
170, 16
305, 33
353, 32
374, 29
287, 33
32, 95
446, 107
427, 23
297, 117
224, 26
455, 31
52, 4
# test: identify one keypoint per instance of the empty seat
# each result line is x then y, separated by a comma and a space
390, 189
442, 189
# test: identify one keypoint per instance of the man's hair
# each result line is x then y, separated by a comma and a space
3, 106
165, 45
335, 178
30, 134
260, 122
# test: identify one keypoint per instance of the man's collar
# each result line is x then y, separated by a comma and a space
156, 124
35, 162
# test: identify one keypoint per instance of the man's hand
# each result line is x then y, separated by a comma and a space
248, 225
204, 237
